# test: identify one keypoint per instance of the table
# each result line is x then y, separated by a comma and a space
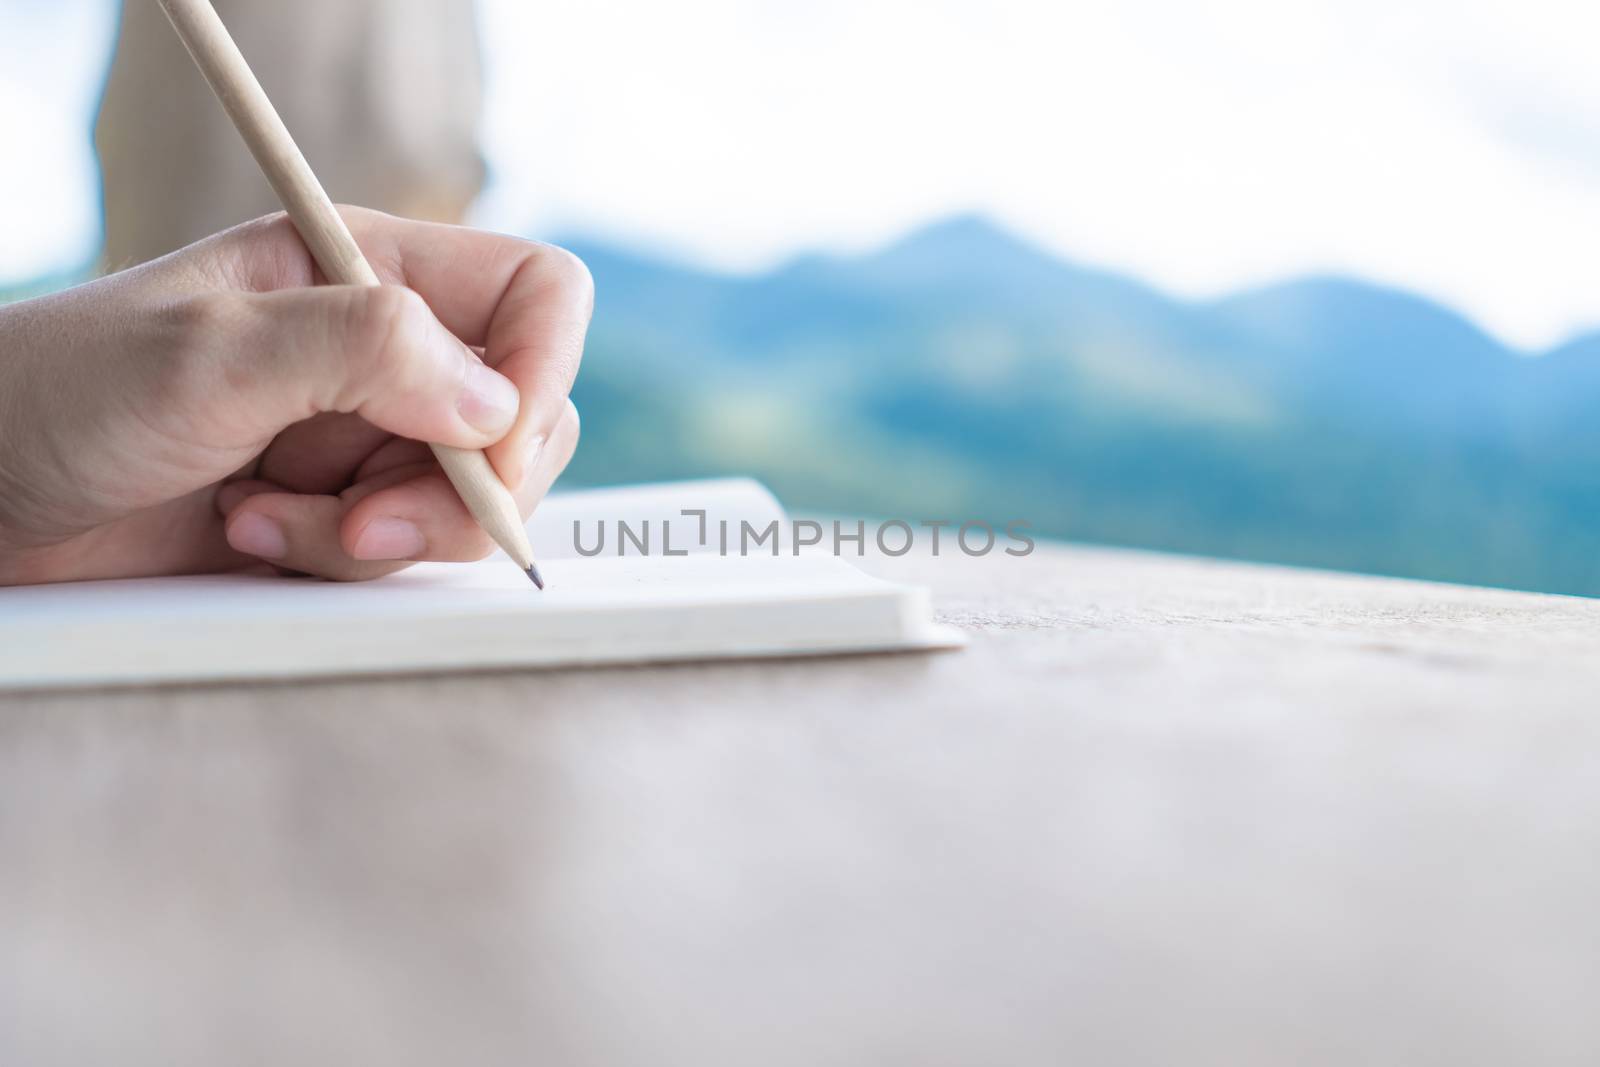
1162, 810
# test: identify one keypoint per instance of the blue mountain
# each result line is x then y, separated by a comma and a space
964, 371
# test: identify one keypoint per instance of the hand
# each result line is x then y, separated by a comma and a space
218, 408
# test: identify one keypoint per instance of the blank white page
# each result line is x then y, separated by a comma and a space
441, 616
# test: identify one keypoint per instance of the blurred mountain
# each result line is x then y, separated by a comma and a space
962, 372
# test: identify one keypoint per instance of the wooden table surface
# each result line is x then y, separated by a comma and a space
1161, 811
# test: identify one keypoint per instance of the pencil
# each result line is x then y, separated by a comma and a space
329, 240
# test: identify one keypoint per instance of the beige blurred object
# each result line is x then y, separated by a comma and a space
383, 97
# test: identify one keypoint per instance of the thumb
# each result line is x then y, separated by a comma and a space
376, 351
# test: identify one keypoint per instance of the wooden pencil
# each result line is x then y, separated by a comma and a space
329, 240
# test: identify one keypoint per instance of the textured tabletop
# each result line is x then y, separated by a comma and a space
1162, 810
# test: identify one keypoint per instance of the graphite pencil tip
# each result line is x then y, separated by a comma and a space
533, 575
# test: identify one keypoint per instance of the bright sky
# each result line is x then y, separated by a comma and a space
1449, 146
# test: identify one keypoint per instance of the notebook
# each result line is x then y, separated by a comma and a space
677, 571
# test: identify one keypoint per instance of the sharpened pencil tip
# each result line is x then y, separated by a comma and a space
533, 576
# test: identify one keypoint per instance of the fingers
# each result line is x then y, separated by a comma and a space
278, 358
405, 512
527, 304
536, 340
396, 452
317, 455
392, 522
298, 532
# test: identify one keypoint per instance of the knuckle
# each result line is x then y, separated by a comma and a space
568, 275
382, 310
387, 324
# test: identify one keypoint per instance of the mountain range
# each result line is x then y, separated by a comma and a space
962, 372
965, 373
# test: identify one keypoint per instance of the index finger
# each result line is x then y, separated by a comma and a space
525, 303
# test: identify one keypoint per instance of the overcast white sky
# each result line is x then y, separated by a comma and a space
1449, 147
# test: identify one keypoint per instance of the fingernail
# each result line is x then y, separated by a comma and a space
388, 539
255, 534
530, 458
488, 400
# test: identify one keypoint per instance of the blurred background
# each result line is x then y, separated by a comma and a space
1306, 281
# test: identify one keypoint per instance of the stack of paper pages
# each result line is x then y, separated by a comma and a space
602, 608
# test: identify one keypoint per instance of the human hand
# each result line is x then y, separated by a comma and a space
218, 407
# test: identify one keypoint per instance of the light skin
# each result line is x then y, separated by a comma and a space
220, 409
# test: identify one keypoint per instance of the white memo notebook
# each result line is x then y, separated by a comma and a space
454, 616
